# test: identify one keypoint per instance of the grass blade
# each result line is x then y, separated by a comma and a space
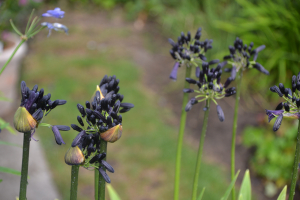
112, 193
227, 193
245, 191
282, 194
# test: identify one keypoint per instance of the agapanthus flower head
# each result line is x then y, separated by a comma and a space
240, 55
55, 26
188, 50
99, 120
290, 107
33, 108
56, 13
209, 86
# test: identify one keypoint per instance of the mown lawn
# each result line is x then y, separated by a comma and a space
144, 157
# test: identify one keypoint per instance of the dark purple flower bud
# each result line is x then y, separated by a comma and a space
104, 175
227, 82
81, 110
38, 114
57, 136
212, 62
260, 48
95, 158
220, 113
279, 106
277, 90
35, 88
298, 102
298, 76
294, 79
56, 13
202, 57
222, 64
78, 139
188, 36
260, 68
298, 85
23, 89
123, 110
126, 105
173, 74
189, 105
190, 80
286, 107
232, 50
171, 42
76, 128
294, 87
31, 99
197, 72
188, 90
63, 128
233, 72
290, 94
87, 104
271, 113
210, 85
282, 88
227, 57
62, 102
277, 122
107, 166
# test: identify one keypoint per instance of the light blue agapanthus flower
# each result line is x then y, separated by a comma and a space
55, 26
57, 13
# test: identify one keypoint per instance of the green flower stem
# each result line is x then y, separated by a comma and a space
180, 135
12, 55
101, 181
24, 170
200, 150
295, 167
96, 173
235, 118
74, 182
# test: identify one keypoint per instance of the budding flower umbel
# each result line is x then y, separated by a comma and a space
209, 86
240, 57
290, 108
33, 108
188, 50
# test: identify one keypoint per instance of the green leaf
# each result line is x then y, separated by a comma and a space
201, 194
112, 193
10, 144
227, 193
9, 171
45, 124
4, 124
1, 180
282, 194
245, 191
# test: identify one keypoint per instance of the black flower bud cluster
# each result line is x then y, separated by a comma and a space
100, 120
99, 158
290, 107
240, 54
188, 49
34, 106
210, 86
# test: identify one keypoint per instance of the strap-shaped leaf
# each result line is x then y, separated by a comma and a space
112, 193
9, 171
227, 193
245, 191
201, 194
282, 195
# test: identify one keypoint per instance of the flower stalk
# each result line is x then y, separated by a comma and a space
74, 182
101, 180
180, 136
200, 150
295, 166
24, 170
96, 181
234, 128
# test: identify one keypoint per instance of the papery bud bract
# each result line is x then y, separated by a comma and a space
23, 120
74, 156
112, 134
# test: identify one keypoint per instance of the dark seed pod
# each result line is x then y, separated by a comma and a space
277, 122
220, 113
79, 119
107, 166
76, 128
104, 175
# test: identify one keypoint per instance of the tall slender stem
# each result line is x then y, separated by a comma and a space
101, 181
295, 167
24, 170
180, 135
235, 118
96, 179
200, 150
74, 182
12, 55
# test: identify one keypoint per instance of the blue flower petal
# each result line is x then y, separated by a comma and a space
173, 74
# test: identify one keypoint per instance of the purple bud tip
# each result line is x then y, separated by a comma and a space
173, 74
220, 113
277, 122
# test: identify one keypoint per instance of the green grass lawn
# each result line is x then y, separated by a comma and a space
144, 158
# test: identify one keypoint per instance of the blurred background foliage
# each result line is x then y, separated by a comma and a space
274, 23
